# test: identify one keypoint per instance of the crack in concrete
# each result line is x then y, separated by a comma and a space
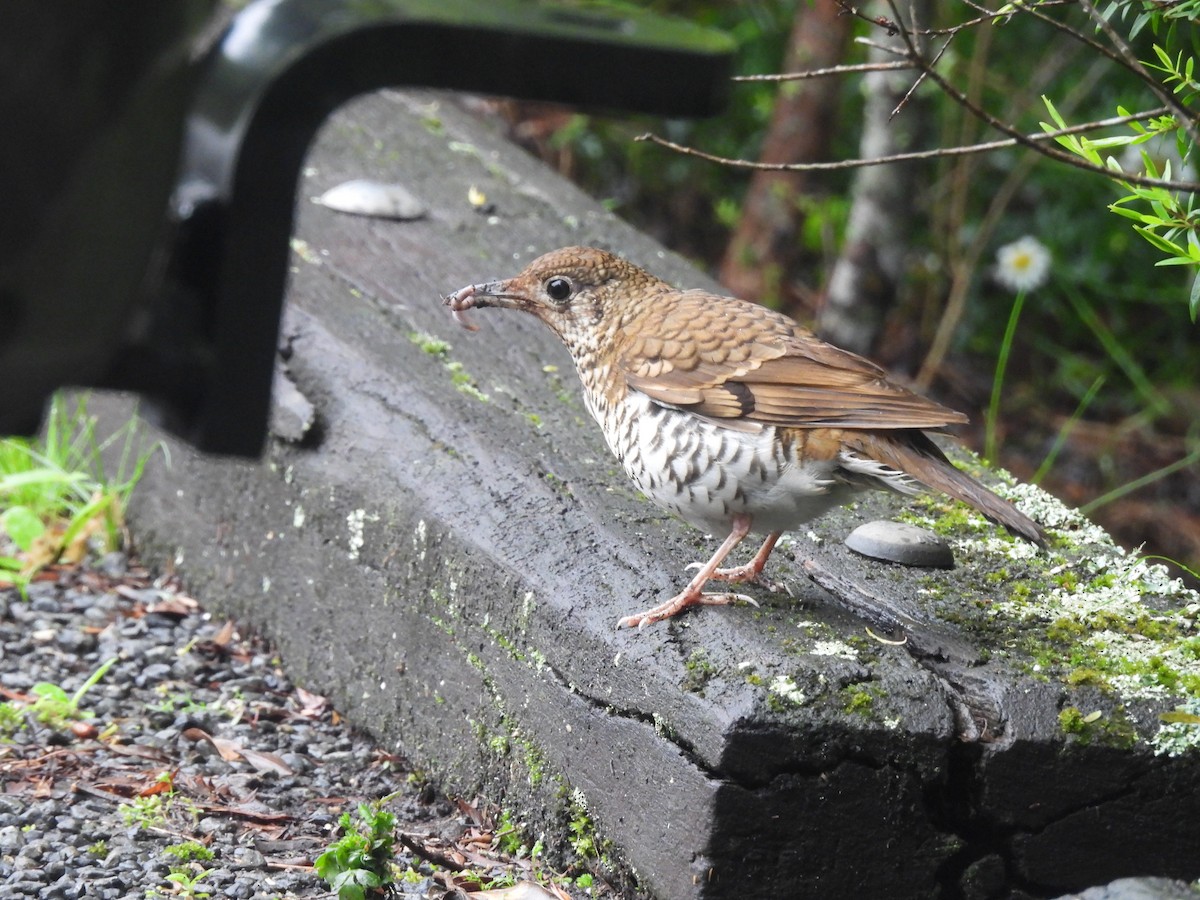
958, 810
978, 711
606, 707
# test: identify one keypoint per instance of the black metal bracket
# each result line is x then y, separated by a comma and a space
269, 83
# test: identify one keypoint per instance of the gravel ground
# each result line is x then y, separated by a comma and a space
196, 734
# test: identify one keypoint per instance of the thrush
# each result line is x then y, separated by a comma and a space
730, 415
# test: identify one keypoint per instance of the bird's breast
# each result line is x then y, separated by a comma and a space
707, 474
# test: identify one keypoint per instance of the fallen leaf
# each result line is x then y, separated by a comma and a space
224, 636
179, 606
312, 705
265, 762
232, 751
158, 786
470, 810
1180, 716
139, 751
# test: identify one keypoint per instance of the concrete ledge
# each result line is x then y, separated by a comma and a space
446, 550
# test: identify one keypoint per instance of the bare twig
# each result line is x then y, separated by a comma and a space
1031, 141
1131, 62
882, 21
920, 78
828, 70
984, 147
886, 48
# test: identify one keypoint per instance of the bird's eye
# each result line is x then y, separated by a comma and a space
559, 289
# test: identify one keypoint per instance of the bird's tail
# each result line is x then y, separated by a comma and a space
915, 454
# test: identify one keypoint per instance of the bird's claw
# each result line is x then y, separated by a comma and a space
677, 604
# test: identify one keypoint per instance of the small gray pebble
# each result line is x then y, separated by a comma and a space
55, 869
11, 838
210, 825
44, 603
901, 543
75, 641
26, 889
67, 824
1145, 888
113, 565
363, 197
152, 674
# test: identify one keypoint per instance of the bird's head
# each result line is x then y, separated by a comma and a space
578, 292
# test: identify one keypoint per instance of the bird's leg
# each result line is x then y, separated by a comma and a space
691, 595
752, 571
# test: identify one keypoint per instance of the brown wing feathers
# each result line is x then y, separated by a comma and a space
764, 369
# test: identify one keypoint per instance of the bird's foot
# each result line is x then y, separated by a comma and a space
751, 572
747, 574
678, 604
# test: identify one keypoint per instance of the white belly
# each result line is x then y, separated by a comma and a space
717, 473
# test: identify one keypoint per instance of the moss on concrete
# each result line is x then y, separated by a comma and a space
1085, 613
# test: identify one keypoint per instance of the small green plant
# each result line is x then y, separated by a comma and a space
55, 494
188, 851
146, 812
183, 884
11, 720
360, 860
52, 705
509, 838
186, 872
177, 702
700, 671
582, 840
583, 831
440, 350
858, 698
151, 810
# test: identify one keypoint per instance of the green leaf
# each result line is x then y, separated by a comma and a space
353, 884
1120, 140
47, 691
85, 514
16, 480
1161, 243
1132, 213
1058, 119
23, 525
1194, 301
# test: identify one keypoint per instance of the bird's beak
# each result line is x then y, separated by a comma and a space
476, 296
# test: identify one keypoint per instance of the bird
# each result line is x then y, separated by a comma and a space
728, 414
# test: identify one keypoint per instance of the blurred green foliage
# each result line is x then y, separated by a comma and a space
1100, 263
689, 204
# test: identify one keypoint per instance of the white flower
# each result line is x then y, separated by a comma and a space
1023, 265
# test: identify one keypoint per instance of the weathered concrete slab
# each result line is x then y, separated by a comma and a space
447, 550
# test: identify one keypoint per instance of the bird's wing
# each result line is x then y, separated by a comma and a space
743, 365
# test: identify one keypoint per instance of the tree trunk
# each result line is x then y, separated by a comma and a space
764, 254
864, 282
